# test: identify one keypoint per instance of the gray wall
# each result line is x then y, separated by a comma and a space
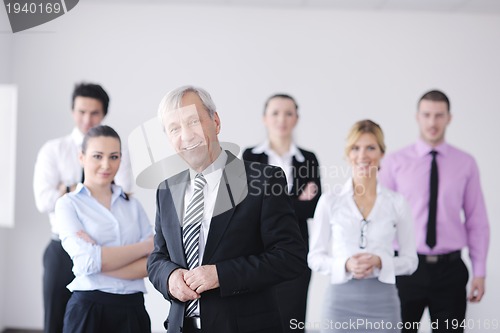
340, 65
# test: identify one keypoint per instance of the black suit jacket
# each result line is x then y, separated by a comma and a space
303, 173
253, 241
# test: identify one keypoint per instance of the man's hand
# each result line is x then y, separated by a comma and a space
309, 192
361, 265
476, 290
178, 288
202, 278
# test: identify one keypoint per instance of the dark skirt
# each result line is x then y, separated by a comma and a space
366, 305
97, 311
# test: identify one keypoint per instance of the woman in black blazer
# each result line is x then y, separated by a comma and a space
302, 172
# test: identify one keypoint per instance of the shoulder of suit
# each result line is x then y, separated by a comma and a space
175, 179
308, 155
249, 155
248, 150
258, 168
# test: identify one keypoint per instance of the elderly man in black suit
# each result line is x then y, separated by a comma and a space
225, 229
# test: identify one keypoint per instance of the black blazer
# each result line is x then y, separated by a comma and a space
254, 243
303, 173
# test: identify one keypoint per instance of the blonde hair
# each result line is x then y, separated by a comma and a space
361, 127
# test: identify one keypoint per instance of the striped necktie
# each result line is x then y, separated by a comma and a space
191, 231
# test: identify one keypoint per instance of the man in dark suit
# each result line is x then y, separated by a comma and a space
225, 229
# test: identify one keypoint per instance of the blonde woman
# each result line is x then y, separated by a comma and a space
352, 242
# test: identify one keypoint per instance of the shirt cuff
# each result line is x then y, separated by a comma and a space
339, 274
386, 274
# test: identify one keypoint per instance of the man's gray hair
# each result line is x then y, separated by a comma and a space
173, 98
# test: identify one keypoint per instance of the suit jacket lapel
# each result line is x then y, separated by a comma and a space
177, 186
175, 210
263, 158
295, 182
233, 189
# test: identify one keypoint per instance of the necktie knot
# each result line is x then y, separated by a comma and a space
433, 153
199, 182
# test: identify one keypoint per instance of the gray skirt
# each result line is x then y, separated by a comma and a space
366, 305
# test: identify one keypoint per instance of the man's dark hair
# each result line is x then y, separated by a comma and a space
93, 91
281, 96
435, 96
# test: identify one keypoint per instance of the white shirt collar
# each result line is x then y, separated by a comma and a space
116, 191
77, 136
213, 172
265, 148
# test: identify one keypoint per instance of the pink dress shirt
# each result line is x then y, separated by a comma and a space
407, 171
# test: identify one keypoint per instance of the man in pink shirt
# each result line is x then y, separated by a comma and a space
440, 182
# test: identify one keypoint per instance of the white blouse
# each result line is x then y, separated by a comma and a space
285, 162
124, 223
335, 235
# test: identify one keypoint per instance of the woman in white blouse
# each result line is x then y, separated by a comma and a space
352, 240
108, 236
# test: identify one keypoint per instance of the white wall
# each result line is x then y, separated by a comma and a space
341, 67
5, 77
8, 127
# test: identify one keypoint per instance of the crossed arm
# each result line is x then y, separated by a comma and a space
123, 262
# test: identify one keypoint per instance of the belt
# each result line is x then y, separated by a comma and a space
440, 258
193, 322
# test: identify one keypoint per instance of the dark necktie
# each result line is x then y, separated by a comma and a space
83, 176
431, 223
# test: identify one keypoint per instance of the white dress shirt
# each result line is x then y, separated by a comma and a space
124, 223
284, 161
336, 232
58, 163
213, 176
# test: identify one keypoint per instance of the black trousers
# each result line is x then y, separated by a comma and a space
188, 327
441, 287
57, 274
100, 312
291, 297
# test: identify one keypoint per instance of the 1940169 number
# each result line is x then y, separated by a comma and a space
33, 8
470, 324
